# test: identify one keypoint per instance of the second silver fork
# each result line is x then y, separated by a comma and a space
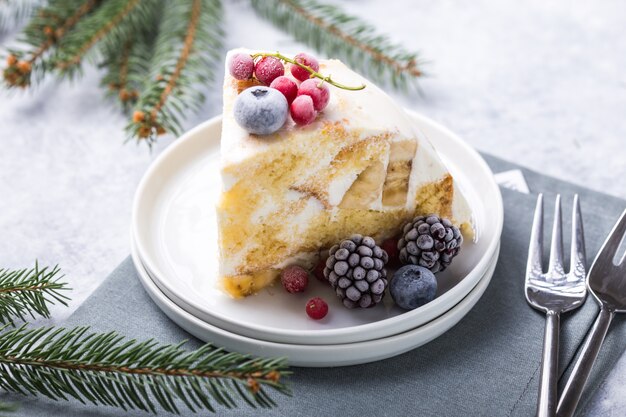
554, 292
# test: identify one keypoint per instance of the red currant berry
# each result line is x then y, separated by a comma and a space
319, 270
316, 308
391, 247
304, 59
286, 86
303, 111
241, 66
268, 69
294, 278
317, 90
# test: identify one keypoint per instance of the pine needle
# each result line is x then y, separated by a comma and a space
44, 31
108, 369
126, 67
29, 292
330, 30
187, 49
115, 22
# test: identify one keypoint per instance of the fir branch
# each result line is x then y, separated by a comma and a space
114, 22
117, 63
29, 292
108, 369
43, 33
328, 29
127, 67
186, 51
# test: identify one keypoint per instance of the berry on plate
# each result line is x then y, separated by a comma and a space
286, 86
303, 58
430, 241
261, 110
316, 308
241, 66
356, 270
294, 278
302, 110
413, 286
268, 68
317, 90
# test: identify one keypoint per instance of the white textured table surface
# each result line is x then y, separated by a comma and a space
539, 82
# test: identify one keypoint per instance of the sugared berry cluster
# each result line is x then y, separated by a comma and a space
356, 270
259, 111
356, 267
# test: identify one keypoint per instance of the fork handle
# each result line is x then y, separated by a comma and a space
576, 382
546, 401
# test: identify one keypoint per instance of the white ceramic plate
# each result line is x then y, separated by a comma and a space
316, 355
174, 228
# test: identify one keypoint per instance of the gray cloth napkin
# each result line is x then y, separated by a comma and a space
487, 365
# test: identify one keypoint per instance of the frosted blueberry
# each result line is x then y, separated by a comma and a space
413, 286
261, 110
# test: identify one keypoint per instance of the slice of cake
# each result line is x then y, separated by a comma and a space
361, 167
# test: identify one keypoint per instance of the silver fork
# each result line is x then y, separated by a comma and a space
607, 284
554, 292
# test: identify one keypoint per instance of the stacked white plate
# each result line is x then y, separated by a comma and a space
174, 251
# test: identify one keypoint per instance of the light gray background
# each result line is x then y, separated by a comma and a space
541, 83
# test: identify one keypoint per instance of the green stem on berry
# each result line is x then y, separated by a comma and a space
324, 78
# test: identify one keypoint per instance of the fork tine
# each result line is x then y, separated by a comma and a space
556, 248
535, 248
622, 262
612, 243
578, 253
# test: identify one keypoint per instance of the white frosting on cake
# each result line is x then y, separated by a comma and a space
370, 110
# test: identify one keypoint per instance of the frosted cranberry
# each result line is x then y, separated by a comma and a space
241, 66
304, 59
317, 90
303, 111
286, 86
316, 308
268, 69
294, 278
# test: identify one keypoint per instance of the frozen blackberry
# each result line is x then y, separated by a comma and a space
430, 241
355, 268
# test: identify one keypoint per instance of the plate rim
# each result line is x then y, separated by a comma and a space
323, 356
321, 336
